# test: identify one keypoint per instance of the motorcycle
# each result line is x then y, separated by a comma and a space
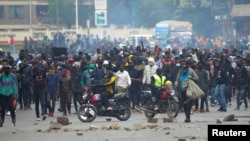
167, 103
93, 106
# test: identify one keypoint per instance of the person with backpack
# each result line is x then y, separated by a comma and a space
8, 92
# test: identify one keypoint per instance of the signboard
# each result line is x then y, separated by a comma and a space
220, 7
101, 4
100, 17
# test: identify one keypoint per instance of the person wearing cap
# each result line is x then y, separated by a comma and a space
8, 92
86, 75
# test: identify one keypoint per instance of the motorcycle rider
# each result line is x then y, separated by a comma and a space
158, 84
87, 75
109, 91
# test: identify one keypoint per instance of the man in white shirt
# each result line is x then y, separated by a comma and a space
123, 80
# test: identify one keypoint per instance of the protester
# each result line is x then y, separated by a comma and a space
8, 92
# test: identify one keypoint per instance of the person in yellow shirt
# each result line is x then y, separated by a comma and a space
109, 84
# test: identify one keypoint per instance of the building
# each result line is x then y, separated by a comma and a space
240, 16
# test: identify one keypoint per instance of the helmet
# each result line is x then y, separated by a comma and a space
99, 60
71, 59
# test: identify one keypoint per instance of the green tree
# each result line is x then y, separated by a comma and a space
66, 12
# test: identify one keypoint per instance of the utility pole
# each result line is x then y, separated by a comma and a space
76, 2
56, 12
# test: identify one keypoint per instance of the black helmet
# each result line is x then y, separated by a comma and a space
99, 60
159, 71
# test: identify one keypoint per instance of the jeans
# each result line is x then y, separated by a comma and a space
6, 101
51, 101
240, 91
26, 96
13, 48
211, 92
39, 96
77, 98
219, 94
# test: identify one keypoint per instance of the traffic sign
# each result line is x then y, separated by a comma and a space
100, 4
100, 17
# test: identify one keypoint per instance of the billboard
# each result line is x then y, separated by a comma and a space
220, 7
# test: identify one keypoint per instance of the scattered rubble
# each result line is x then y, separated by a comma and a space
152, 120
63, 120
230, 117
218, 121
93, 128
167, 120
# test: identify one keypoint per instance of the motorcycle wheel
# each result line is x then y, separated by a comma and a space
149, 105
123, 112
87, 113
172, 109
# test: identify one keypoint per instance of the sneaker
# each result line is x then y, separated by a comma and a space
8, 113
13, 121
137, 108
156, 107
133, 110
236, 108
187, 120
51, 114
202, 111
241, 102
230, 103
38, 119
207, 110
44, 117
219, 109
109, 108
223, 110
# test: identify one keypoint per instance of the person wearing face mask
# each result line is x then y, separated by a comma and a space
240, 82
87, 75
8, 92
173, 73
123, 81
148, 72
181, 84
39, 88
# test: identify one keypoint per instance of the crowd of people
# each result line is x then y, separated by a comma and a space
41, 80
